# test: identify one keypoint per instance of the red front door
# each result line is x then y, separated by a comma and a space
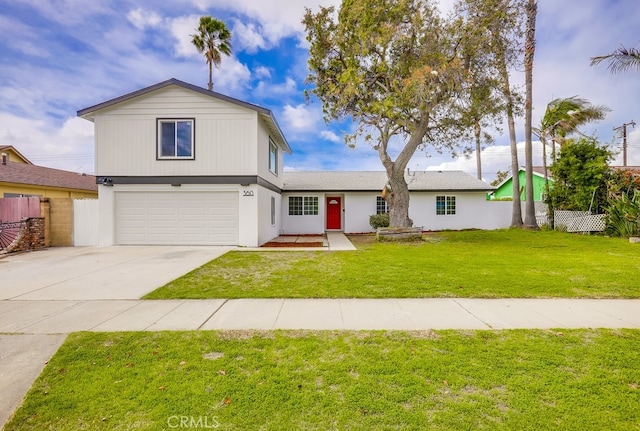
334, 213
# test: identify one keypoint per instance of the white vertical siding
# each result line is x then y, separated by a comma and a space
357, 209
303, 224
225, 136
473, 211
267, 231
85, 222
263, 157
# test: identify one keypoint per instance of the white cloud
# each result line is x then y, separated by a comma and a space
267, 90
183, 28
276, 20
300, 118
633, 149
247, 37
68, 145
142, 18
232, 78
262, 72
330, 136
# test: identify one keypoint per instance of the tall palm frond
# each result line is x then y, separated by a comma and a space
565, 116
620, 60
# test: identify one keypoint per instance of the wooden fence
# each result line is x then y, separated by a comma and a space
13, 212
16, 209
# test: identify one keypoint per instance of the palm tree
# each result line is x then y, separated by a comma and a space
562, 118
530, 47
565, 116
620, 60
213, 39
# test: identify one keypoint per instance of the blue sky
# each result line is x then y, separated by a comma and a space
57, 57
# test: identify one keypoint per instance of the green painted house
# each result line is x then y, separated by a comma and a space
505, 189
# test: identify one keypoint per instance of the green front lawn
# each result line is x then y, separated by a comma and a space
505, 263
444, 380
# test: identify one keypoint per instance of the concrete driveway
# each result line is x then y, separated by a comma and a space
95, 273
36, 287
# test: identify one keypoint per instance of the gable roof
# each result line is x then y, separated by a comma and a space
375, 180
538, 171
20, 173
12, 149
264, 113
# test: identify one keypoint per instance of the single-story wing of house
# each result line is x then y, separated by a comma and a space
314, 202
177, 164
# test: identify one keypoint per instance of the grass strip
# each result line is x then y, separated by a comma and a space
486, 264
444, 380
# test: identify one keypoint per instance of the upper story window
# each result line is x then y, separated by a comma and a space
445, 205
273, 157
381, 205
176, 138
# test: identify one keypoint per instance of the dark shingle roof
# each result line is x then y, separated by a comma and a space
20, 173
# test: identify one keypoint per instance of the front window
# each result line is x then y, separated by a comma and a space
273, 211
176, 138
381, 205
303, 205
445, 205
273, 157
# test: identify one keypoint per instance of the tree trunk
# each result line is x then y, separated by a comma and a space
530, 47
516, 212
397, 194
476, 131
210, 77
398, 200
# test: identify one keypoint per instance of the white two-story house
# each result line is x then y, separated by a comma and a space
177, 164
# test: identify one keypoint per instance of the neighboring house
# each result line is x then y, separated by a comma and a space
505, 188
314, 202
19, 177
179, 164
13, 155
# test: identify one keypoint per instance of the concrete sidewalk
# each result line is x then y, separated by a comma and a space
62, 317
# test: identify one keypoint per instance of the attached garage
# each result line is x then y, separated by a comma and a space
176, 218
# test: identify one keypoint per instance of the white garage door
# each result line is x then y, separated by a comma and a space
177, 218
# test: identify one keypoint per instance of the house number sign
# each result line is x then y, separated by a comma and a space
247, 193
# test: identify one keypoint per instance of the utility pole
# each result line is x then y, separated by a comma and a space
624, 139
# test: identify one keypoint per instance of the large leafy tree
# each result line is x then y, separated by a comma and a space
394, 68
579, 175
212, 39
485, 104
620, 60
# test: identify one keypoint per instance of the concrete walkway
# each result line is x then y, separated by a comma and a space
339, 242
